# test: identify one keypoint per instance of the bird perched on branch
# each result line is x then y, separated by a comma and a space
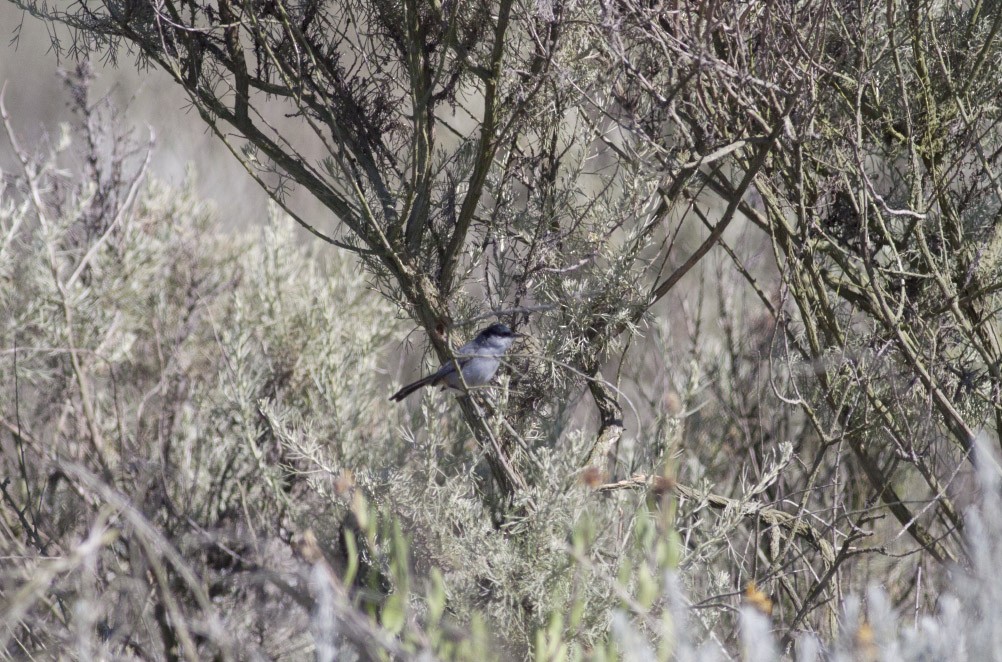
477, 361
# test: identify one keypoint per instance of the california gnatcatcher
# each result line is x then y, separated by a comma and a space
478, 360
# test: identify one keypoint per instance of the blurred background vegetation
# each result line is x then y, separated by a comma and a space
147, 97
755, 246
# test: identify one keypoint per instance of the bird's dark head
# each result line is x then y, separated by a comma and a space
498, 331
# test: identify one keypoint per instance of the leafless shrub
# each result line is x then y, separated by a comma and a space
783, 420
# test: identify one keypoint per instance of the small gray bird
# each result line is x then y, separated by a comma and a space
478, 360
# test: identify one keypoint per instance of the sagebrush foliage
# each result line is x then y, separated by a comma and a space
207, 411
198, 459
757, 247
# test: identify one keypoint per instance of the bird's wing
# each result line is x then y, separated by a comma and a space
463, 356
449, 366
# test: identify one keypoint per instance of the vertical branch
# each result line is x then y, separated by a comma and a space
422, 123
48, 236
238, 64
486, 147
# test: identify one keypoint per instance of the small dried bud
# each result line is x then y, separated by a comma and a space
593, 477
309, 548
757, 598
344, 483
662, 485
672, 403
866, 645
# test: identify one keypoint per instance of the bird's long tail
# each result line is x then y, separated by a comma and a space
410, 388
